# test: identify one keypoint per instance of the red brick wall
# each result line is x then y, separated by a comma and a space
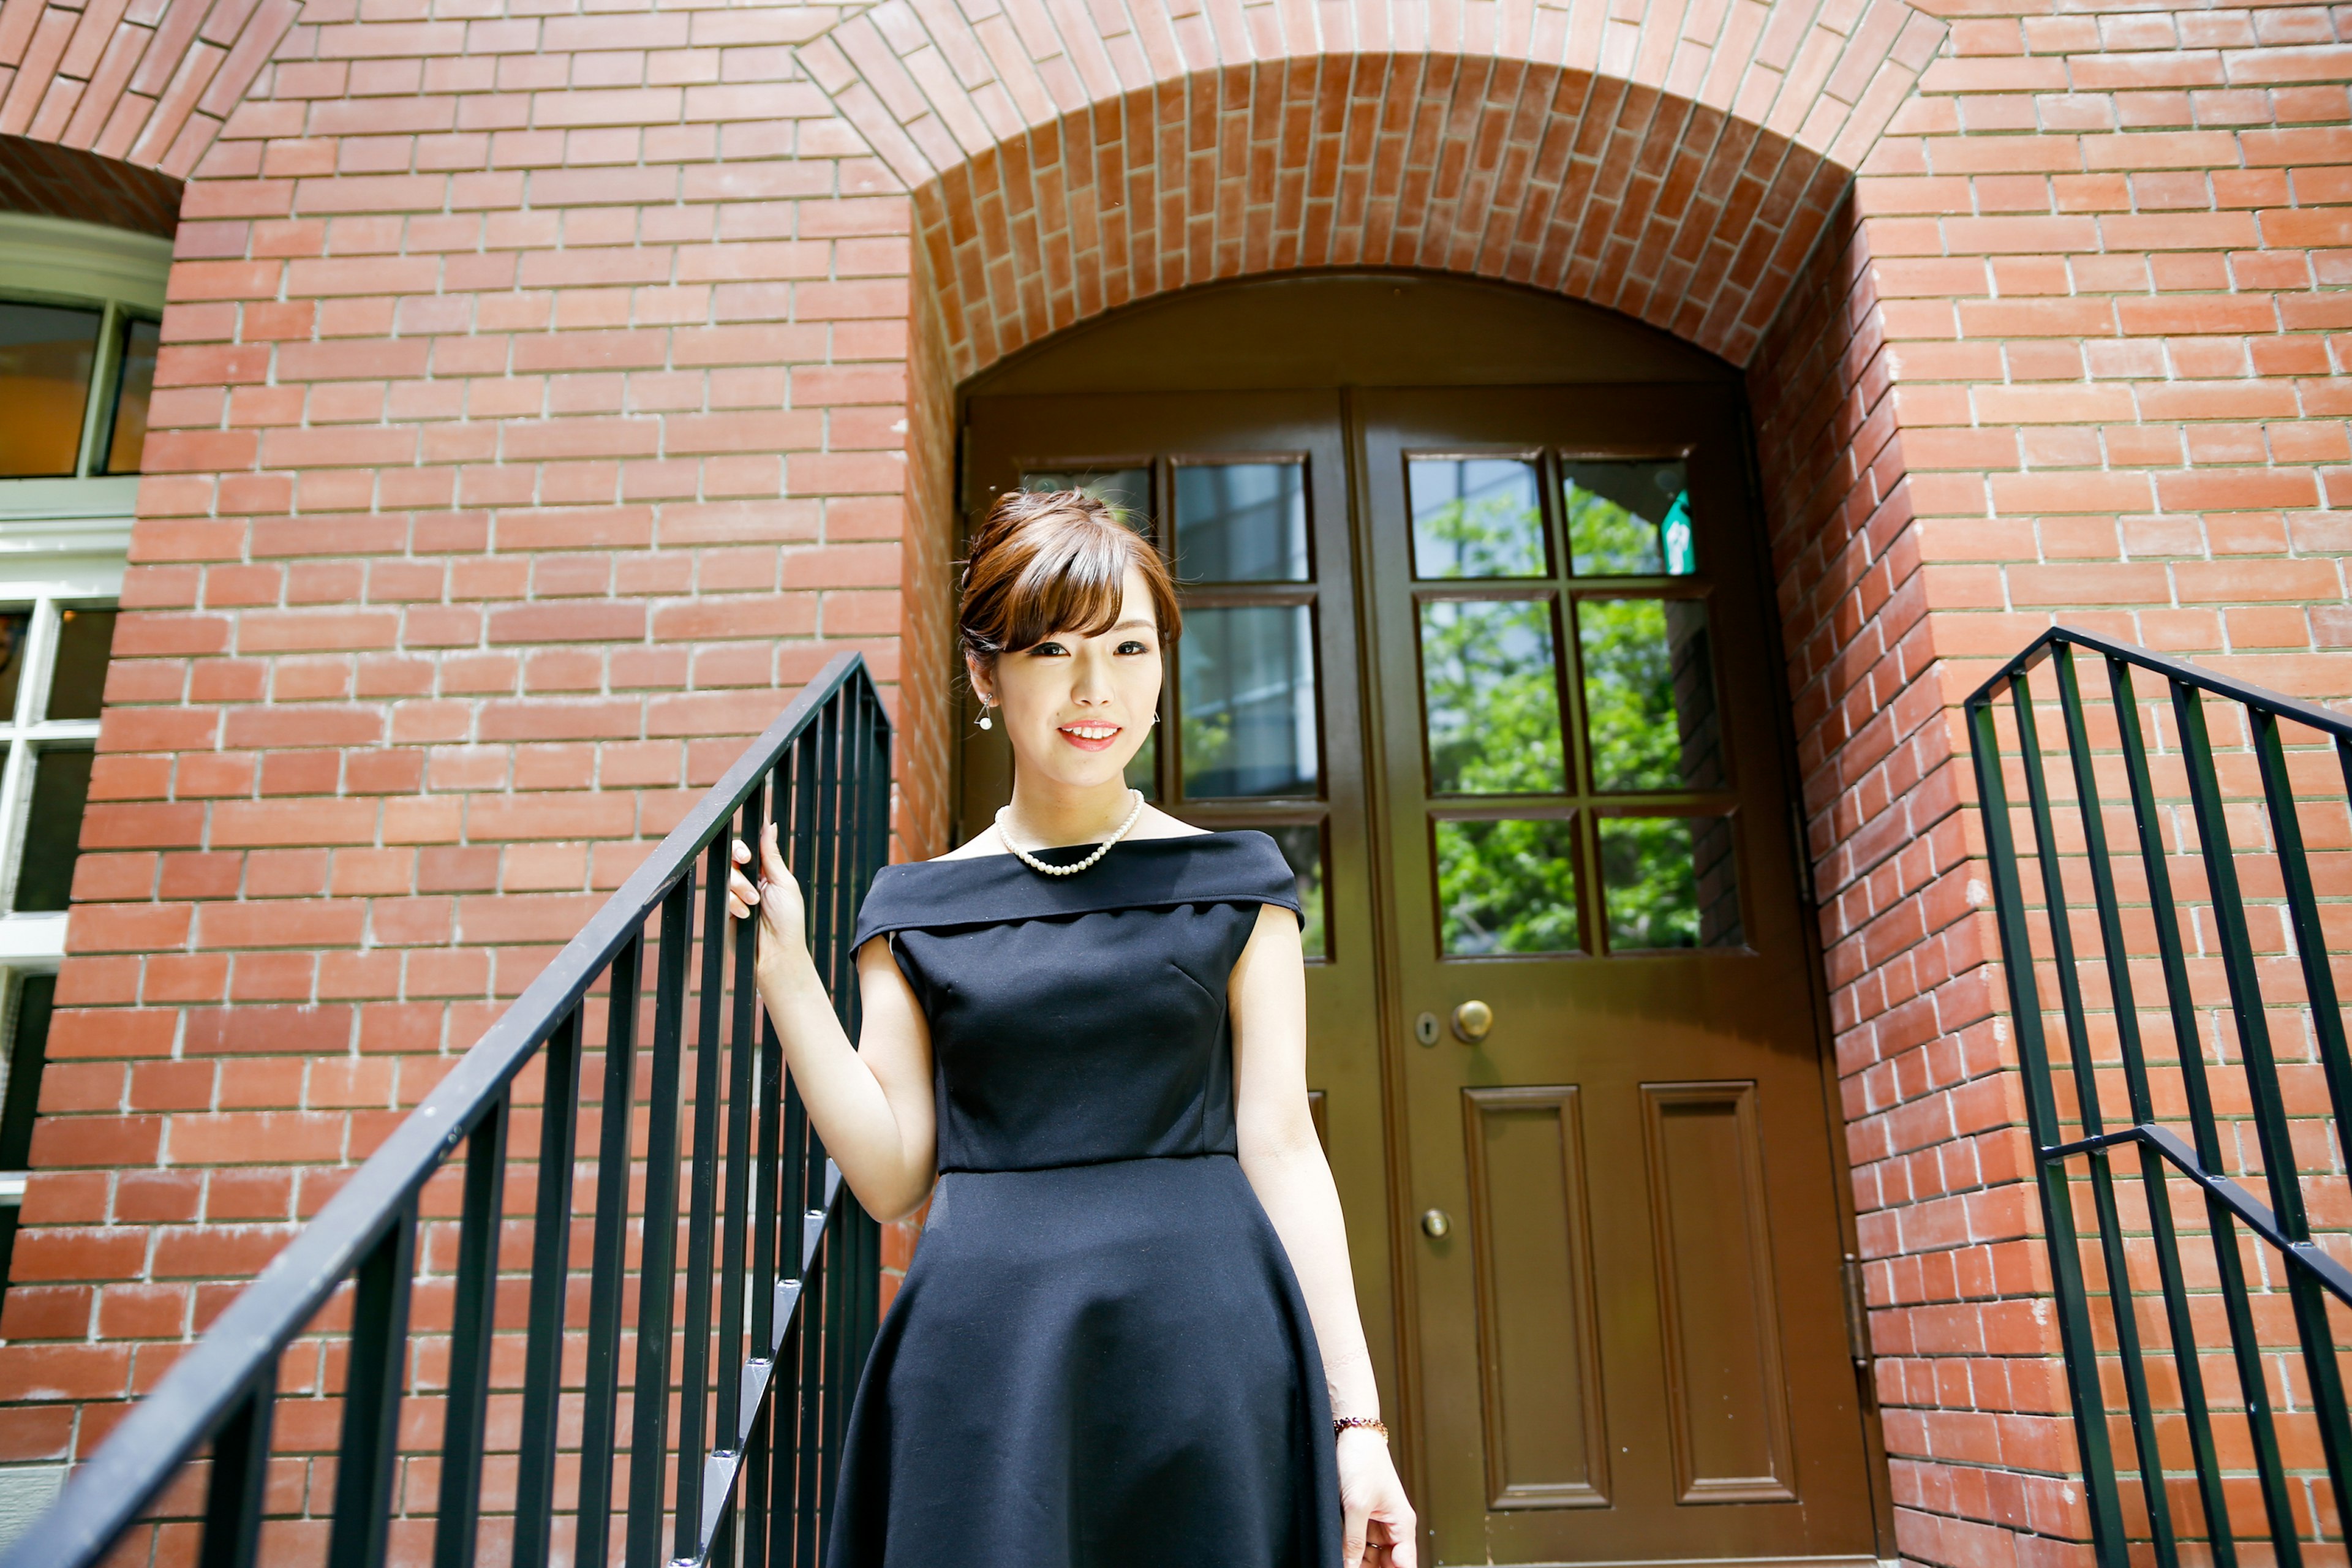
550, 395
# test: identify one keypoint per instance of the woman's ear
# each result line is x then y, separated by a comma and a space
978, 673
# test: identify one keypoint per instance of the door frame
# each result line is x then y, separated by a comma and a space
1355, 329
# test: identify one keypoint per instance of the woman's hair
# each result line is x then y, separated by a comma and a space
1050, 562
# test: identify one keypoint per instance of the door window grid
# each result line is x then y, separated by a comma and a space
1624, 695
49, 686
1245, 751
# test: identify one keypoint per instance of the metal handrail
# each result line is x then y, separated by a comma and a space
822, 772
2312, 1277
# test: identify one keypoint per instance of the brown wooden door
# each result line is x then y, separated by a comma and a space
1496, 668
1625, 1251
1261, 725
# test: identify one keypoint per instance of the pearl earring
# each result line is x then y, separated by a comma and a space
984, 705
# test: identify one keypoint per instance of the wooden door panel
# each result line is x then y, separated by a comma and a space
1725, 1390
1546, 1426
1585, 807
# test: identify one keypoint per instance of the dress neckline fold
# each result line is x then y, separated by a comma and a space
1234, 865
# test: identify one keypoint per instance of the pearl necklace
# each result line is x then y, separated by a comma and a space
1048, 867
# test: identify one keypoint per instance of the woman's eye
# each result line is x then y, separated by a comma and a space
1048, 649
1133, 644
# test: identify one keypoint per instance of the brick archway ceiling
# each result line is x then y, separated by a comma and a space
1676, 168
145, 82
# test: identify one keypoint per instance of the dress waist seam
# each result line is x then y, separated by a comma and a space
1083, 1164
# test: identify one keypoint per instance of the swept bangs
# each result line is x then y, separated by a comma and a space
1055, 562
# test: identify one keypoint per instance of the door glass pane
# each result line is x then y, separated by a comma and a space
1669, 882
1628, 518
1127, 491
1506, 887
1241, 522
1649, 694
45, 356
133, 389
1491, 696
1475, 517
1248, 702
1302, 845
52, 830
84, 640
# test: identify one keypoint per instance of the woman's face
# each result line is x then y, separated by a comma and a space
1077, 708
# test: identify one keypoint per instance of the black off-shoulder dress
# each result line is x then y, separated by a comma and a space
1099, 1357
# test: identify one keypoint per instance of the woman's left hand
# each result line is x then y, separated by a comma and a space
1378, 1521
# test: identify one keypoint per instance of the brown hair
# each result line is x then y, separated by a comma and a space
1056, 561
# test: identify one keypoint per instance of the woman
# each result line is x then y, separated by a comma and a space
1106, 1352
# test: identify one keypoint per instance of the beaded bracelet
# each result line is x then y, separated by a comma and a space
1368, 1423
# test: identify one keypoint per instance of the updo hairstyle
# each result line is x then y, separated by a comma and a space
1054, 562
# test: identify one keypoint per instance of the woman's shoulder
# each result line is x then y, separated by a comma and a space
1234, 866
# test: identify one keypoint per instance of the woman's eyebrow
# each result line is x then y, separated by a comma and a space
1131, 624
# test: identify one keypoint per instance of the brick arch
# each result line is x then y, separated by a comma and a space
149, 83
1677, 167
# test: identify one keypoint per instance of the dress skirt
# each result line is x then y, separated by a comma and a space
1102, 1365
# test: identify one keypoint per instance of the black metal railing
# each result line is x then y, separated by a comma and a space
2190, 859
721, 1377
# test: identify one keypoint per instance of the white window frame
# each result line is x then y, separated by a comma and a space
63, 543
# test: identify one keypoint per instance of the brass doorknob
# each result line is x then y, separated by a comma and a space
1434, 1223
1471, 1022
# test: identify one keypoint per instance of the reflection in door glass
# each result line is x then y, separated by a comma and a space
1669, 882
1492, 700
1649, 694
1628, 518
14, 625
1506, 887
1302, 845
1241, 522
1475, 517
1248, 701
1127, 491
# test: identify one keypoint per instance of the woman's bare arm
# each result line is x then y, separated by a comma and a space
871, 1102
1283, 1161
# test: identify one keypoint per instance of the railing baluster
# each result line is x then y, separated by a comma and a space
742, 1111
2188, 1045
2280, 1171
551, 1262
703, 1202
608, 1258
238, 1487
468, 1405
658, 1271
2120, 1303
2328, 1401
2178, 1320
368, 1462
2042, 1116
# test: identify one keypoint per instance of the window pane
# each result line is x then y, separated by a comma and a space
1506, 887
52, 830
14, 625
1248, 702
84, 640
1669, 882
1649, 694
1302, 845
45, 356
1493, 703
135, 388
1127, 491
1475, 517
1628, 518
1242, 523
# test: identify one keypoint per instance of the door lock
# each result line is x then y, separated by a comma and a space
1434, 1223
1425, 1028
1472, 1020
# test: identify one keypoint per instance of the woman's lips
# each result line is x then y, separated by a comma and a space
1096, 742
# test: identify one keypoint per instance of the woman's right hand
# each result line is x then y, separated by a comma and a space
783, 924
